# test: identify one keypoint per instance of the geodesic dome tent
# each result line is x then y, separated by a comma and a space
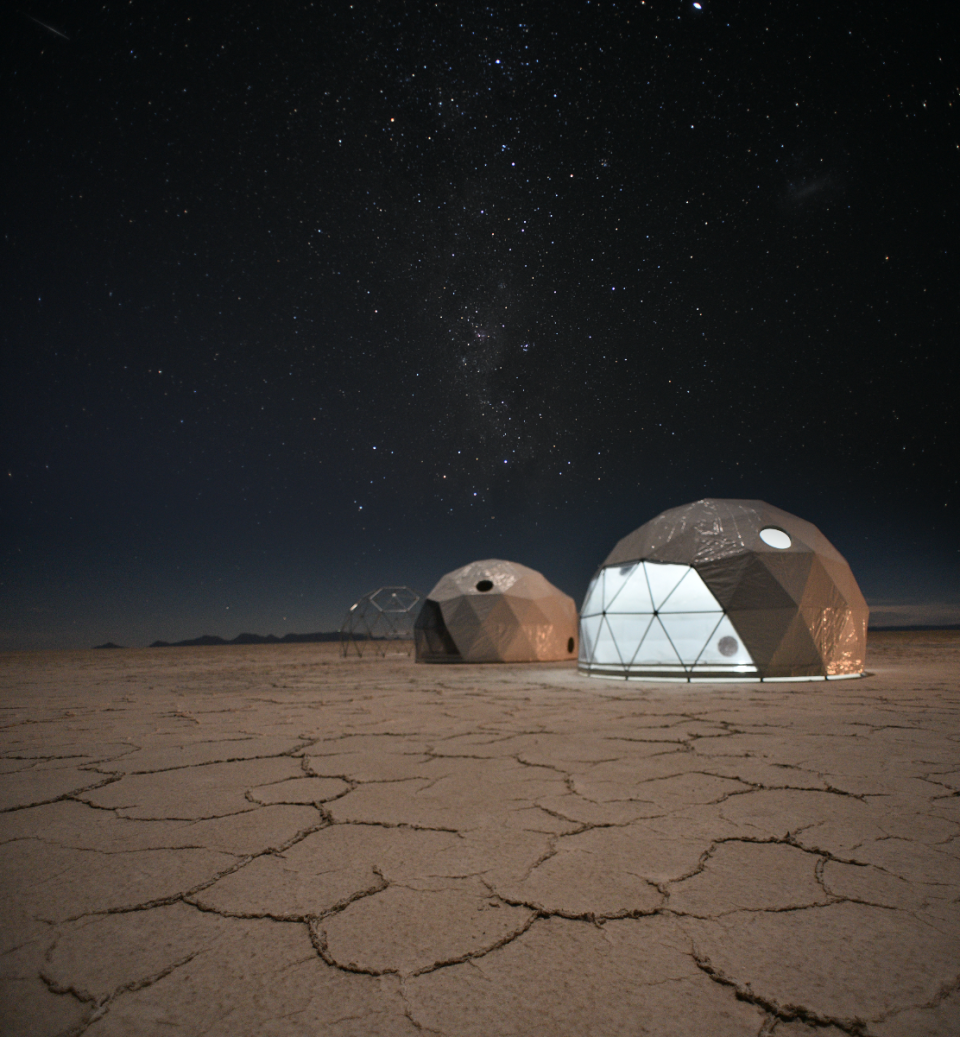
378, 620
733, 589
496, 611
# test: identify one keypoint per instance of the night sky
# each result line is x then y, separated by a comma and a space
303, 299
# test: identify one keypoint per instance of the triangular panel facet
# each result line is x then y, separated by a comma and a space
605, 650
762, 631
663, 579
627, 631
797, 654
791, 571
634, 594
589, 631
656, 648
615, 577
516, 643
593, 602
849, 654
688, 632
690, 595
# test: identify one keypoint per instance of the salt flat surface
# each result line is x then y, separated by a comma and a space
269, 840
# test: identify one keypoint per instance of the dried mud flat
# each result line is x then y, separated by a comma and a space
269, 840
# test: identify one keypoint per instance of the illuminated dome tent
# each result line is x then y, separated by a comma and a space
733, 589
496, 612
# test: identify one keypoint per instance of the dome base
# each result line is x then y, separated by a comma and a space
671, 675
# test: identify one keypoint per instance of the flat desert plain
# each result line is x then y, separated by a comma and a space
272, 840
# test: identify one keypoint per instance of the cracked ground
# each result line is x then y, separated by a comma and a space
271, 840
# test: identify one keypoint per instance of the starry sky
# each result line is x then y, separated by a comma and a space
299, 300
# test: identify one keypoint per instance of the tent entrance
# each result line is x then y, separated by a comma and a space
433, 641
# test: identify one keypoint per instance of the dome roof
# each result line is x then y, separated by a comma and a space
713, 528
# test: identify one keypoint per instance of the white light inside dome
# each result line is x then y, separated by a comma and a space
774, 537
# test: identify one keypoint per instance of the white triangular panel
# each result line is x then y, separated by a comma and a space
656, 648
627, 631
725, 648
663, 577
605, 648
589, 629
691, 595
689, 632
593, 602
642, 624
634, 595
615, 577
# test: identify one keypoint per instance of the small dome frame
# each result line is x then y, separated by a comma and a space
380, 623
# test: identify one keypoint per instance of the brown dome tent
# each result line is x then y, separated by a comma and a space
496, 611
733, 589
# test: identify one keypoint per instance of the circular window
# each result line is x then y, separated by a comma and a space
569, 644
485, 585
774, 537
728, 646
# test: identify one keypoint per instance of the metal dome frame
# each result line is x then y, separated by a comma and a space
378, 621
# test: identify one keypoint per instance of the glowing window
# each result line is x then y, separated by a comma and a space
774, 537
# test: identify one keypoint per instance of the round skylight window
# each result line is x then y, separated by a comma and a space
485, 585
774, 537
728, 646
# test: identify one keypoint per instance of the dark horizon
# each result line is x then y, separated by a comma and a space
334, 636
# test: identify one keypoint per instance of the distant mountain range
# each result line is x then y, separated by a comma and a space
240, 639
249, 639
